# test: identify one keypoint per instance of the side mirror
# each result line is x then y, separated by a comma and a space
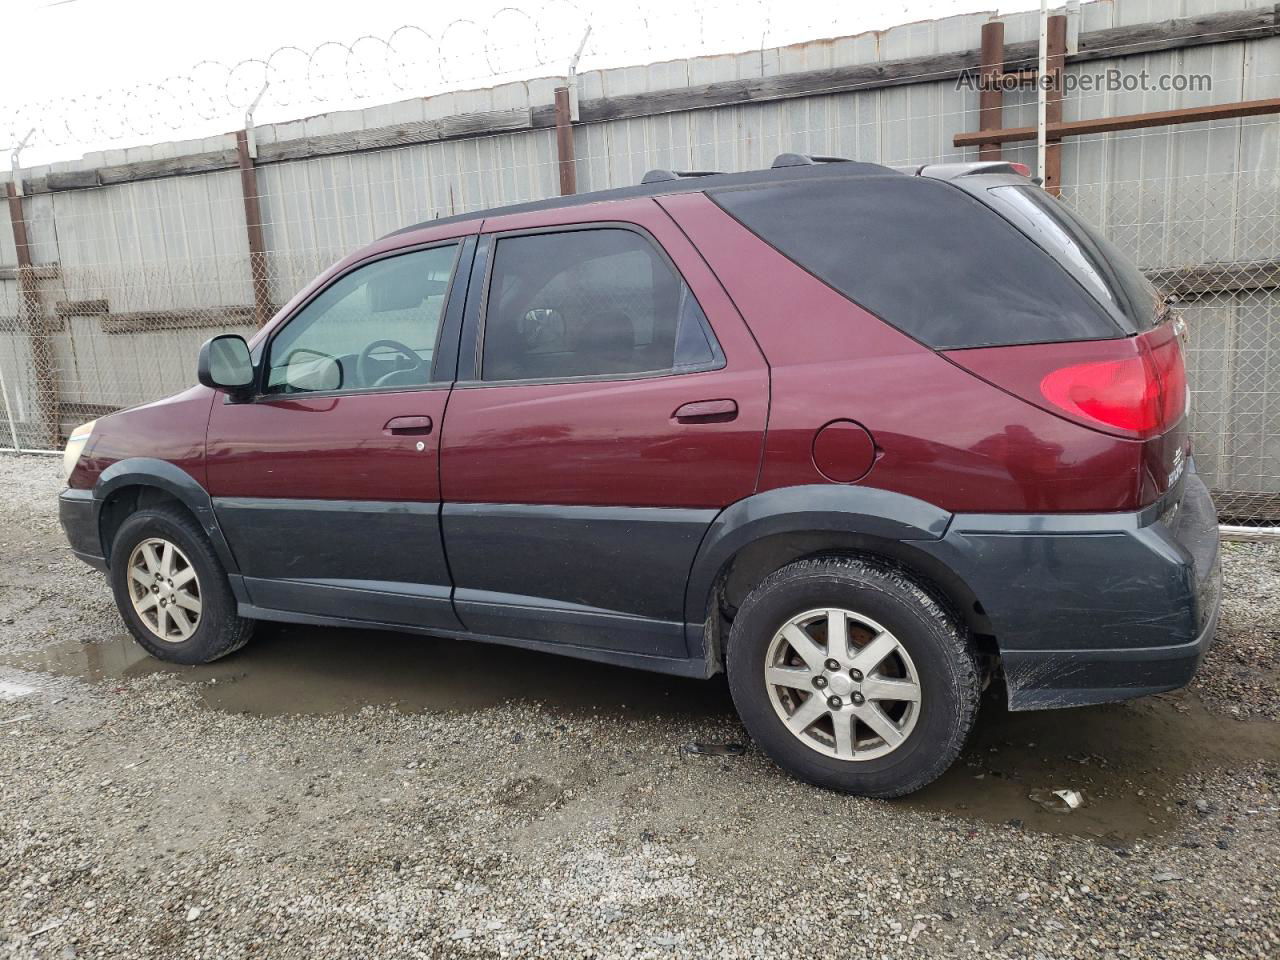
225, 364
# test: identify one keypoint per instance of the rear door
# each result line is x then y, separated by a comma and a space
327, 483
609, 403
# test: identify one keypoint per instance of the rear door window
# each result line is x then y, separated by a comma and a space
599, 303
923, 256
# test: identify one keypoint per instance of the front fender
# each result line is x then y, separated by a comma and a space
811, 508
173, 480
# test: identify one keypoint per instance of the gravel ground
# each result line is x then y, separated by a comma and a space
349, 794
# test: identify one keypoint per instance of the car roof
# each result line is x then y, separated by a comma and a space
671, 182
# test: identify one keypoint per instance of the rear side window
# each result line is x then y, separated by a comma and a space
923, 256
1089, 256
590, 303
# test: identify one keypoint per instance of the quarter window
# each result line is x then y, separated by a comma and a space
374, 328
590, 303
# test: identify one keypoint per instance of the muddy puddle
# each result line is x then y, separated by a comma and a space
1128, 761
290, 669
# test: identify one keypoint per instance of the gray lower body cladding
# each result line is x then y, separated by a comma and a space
1085, 608
78, 514
1098, 607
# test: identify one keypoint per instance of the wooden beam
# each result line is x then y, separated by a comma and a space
1261, 508
1177, 34
1133, 121
150, 321
1100, 44
301, 148
253, 227
77, 412
1057, 43
81, 308
990, 96
398, 135
139, 170
45, 271
564, 144
1216, 278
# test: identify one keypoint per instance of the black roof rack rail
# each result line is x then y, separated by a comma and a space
658, 176
803, 160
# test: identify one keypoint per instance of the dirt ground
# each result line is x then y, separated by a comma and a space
328, 793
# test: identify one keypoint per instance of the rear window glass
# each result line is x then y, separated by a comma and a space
923, 256
1089, 256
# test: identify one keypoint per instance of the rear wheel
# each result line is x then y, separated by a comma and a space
852, 676
171, 588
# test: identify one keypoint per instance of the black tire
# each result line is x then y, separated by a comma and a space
937, 643
220, 630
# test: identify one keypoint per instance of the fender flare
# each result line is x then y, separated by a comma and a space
811, 508
173, 480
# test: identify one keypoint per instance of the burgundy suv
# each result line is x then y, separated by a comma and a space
863, 438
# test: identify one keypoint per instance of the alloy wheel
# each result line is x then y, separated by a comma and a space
842, 684
164, 589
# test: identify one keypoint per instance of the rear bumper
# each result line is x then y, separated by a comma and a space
1095, 608
1044, 679
78, 514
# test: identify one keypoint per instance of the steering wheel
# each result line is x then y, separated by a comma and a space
366, 371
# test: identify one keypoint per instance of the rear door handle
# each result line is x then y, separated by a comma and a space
408, 426
706, 411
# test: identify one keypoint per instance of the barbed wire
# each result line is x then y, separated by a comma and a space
510, 43
411, 60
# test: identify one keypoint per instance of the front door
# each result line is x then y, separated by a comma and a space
610, 404
326, 485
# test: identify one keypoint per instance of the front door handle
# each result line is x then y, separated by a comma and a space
408, 426
706, 411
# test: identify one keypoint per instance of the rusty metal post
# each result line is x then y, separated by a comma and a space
990, 96
32, 319
1053, 105
262, 309
564, 144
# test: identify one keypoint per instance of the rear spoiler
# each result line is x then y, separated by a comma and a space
950, 171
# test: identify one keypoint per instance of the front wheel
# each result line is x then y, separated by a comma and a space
851, 676
171, 589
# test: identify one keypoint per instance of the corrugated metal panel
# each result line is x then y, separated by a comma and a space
1170, 196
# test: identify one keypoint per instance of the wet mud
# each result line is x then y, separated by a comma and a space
1134, 763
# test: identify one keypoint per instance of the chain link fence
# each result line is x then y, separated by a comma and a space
119, 285
1211, 243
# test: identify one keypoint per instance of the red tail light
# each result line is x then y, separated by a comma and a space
1117, 393
1143, 394
1171, 371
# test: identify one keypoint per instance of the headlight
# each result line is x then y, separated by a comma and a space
75, 445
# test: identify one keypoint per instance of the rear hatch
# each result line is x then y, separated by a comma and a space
977, 263
1132, 386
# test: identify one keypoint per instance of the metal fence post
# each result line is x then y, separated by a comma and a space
31, 318
1057, 59
990, 96
564, 143
8, 409
262, 307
